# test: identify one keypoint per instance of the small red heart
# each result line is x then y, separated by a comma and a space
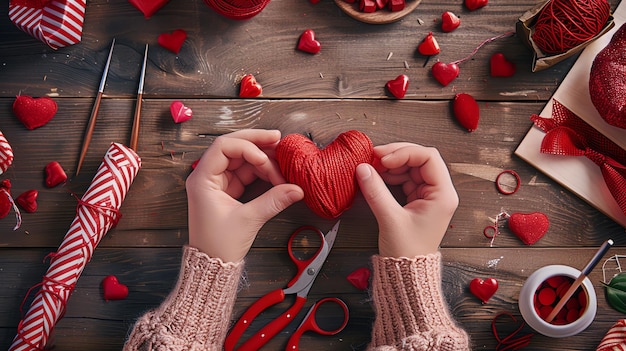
34, 112
327, 176
6, 202
55, 174
148, 7
429, 46
307, 42
180, 112
466, 111
367, 6
397, 87
28, 200
360, 278
249, 87
500, 66
529, 227
483, 289
475, 4
113, 289
445, 73
449, 21
174, 41
6, 154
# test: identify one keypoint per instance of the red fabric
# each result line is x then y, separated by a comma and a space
568, 135
615, 338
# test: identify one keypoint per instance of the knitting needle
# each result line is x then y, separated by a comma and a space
94, 111
134, 135
594, 261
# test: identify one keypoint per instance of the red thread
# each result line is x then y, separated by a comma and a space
483, 43
509, 342
565, 24
237, 9
518, 182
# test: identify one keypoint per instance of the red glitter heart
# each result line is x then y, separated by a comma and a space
429, 46
28, 200
466, 111
326, 175
148, 7
34, 112
249, 87
483, 289
449, 21
445, 73
529, 227
113, 289
500, 66
397, 87
307, 42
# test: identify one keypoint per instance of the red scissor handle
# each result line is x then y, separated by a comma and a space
309, 323
302, 264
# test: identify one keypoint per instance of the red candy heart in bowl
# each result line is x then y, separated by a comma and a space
529, 227
445, 73
326, 175
483, 289
500, 66
112, 289
307, 42
174, 41
249, 87
397, 87
34, 112
180, 112
148, 7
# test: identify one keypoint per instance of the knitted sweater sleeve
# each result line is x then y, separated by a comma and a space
411, 313
196, 314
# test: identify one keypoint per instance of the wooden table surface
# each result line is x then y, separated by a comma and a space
339, 89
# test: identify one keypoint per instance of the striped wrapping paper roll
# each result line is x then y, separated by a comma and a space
97, 212
6, 154
615, 338
58, 23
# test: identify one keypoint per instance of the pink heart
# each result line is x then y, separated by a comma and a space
148, 7
113, 289
180, 112
398, 86
445, 72
174, 41
307, 42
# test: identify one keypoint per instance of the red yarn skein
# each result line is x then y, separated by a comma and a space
565, 24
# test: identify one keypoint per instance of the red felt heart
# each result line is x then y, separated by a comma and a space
6, 201
466, 111
28, 200
429, 46
180, 112
307, 42
326, 175
55, 174
449, 21
529, 227
360, 278
483, 289
500, 66
249, 87
113, 289
148, 7
174, 41
445, 73
475, 4
397, 87
6, 154
34, 112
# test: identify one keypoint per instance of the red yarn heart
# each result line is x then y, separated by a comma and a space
28, 200
180, 112
466, 111
34, 112
449, 21
174, 41
55, 174
6, 154
148, 7
500, 66
360, 278
429, 46
249, 87
529, 227
445, 72
307, 42
483, 289
397, 87
475, 4
113, 289
326, 175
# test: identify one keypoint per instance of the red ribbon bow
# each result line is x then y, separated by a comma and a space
568, 135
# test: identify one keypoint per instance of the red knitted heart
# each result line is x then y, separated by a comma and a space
180, 112
55, 174
6, 154
429, 46
249, 87
148, 7
34, 112
466, 111
449, 21
326, 175
529, 227
174, 41
307, 42
398, 86
28, 200
475, 4
500, 66
483, 289
113, 289
445, 72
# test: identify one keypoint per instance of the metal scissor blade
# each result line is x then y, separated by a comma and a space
332, 235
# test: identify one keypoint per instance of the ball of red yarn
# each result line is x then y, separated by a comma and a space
237, 9
565, 24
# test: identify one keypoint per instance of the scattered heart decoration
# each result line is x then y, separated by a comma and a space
398, 86
360, 278
34, 112
529, 227
112, 289
466, 111
327, 176
249, 87
500, 66
308, 43
6, 154
180, 112
475, 4
449, 21
173, 41
445, 73
483, 289
148, 7
55, 174
28, 200
429, 46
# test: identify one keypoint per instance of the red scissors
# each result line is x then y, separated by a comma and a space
308, 269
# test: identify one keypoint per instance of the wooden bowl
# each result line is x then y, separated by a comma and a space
379, 16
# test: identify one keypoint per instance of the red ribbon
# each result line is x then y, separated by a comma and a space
568, 135
35, 4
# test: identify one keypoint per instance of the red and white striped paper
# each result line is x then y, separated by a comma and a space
95, 215
58, 23
6, 154
615, 338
